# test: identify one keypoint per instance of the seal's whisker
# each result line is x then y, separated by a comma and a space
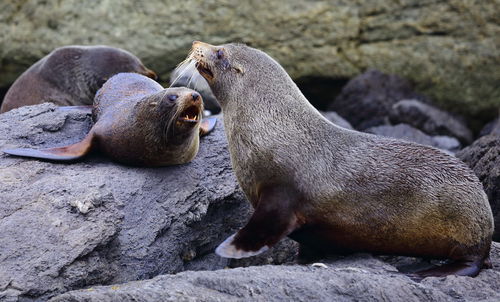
183, 68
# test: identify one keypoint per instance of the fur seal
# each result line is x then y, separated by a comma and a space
333, 189
70, 75
138, 122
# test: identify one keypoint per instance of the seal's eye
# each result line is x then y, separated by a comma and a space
220, 54
172, 97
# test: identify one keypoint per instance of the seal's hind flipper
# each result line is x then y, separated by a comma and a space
66, 153
207, 125
273, 219
86, 109
463, 267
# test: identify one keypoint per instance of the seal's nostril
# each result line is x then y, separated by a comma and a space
172, 97
195, 96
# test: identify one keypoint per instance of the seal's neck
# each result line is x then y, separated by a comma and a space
272, 111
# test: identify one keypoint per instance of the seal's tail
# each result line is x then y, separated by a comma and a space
66, 153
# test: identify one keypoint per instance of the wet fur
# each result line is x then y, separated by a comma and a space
354, 191
134, 122
70, 75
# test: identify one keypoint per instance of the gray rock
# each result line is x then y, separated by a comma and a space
409, 133
430, 120
335, 118
354, 278
447, 143
449, 50
95, 222
488, 128
492, 127
68, 226
192, 79
367, 100
483, 156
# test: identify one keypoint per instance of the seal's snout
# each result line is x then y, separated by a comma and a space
195, 96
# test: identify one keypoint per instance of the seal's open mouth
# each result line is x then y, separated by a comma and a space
190, 115
204, 70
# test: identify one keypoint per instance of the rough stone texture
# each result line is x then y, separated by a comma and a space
483, 156
407, 132
449, 49
335, 118
354, 278
67, 226
95, 222
430, 120
367, 100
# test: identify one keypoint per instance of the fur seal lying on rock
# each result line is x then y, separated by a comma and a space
71, 75
138, 122
333, 189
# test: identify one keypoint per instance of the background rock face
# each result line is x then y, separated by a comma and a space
449, 49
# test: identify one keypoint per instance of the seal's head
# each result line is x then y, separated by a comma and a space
175, 113
231, 68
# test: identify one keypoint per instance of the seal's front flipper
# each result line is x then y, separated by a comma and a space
67, 153
86, 109
273, 219
207, 125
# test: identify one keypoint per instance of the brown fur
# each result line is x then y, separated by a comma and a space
137, 122
70, 75
354, 191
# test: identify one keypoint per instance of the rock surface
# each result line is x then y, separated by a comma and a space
449, 49
483, 156
68, 226
95, 222
354, 278
367, 100
430, 120
409, 133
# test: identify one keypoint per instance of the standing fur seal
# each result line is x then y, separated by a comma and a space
71, 75
137, 122
333, 189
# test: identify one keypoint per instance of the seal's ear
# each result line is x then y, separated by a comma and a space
67, 153
207, 125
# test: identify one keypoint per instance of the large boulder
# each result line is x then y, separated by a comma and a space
68, 226
354, 278
483, 156
367, 100
94, 222
430, 119
448, 49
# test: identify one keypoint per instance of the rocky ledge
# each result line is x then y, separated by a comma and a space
356, 278
83, 225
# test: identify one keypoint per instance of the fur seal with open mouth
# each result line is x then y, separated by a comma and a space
70, 76
333, 189
138, 122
